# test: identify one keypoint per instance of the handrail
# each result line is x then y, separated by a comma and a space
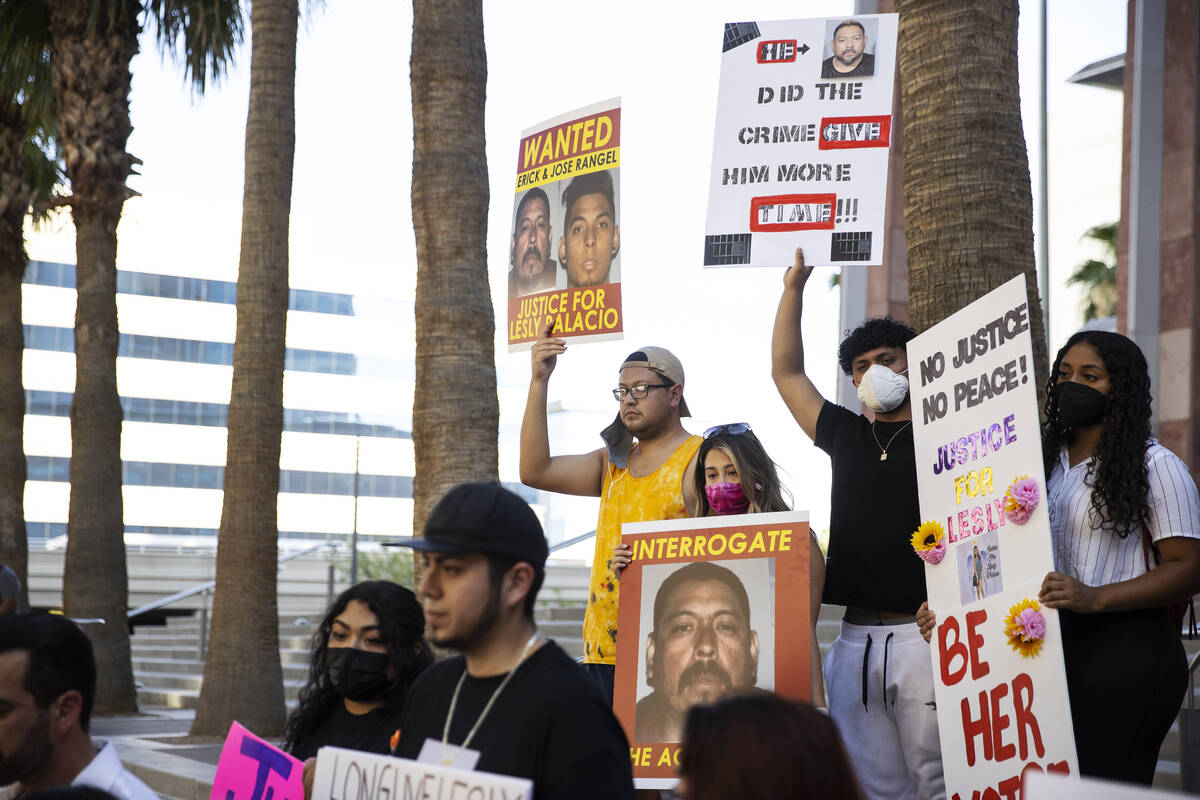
209, 585
1191, 697
576, 540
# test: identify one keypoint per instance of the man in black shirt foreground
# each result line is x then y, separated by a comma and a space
879, 673
513, 696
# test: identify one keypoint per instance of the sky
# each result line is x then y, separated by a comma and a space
351, 226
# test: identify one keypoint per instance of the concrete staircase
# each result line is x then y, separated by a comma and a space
169, 670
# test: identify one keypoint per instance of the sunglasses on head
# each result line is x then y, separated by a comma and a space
733, 428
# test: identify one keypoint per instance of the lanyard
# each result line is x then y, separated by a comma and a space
454, 700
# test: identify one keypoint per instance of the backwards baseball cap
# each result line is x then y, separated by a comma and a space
657, 359
482, 518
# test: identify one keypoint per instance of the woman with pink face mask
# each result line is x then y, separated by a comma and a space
738, 477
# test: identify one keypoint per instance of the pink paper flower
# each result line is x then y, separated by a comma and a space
1032, 624
1025, 628
1021, 499
929, 542
935, 554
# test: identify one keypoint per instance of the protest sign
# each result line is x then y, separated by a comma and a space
690, 573
352, 775
564, 262
999, 679
251, 769
1048, 786
800, 151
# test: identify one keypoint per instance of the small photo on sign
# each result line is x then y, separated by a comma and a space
850, 48
979, 567
711, 634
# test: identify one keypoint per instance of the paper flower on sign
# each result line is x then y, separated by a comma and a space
1025, 627
1021, 499
929, 541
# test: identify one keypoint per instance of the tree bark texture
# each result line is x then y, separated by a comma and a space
243, 679
92, 79
455, 409
968, 210
14, 201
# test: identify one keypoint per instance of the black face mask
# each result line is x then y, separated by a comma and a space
1078, 406
357, 674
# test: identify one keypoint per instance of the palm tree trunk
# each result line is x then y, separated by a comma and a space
455, 410
968, 212
243, 679
91, 77
14, 199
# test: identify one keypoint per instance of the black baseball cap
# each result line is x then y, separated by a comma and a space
482, 518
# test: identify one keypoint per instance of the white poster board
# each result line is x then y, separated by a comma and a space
351, 775
1048, 786
800, 150
1002, 704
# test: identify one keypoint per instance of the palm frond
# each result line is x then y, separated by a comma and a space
1106, 236
25, 77
1093, 273
201, 35
43, 173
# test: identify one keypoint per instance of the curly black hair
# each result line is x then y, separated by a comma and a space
876, 332
401, 626
1118, 473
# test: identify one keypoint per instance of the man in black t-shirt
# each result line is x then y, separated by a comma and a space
513, 697
878, 673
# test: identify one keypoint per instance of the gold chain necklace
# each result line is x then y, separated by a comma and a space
883, 450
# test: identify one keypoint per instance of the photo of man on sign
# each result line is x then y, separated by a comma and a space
591, 237
702, 647
533, 270
848, 52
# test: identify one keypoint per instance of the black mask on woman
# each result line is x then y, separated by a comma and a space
1078, 406
357, 674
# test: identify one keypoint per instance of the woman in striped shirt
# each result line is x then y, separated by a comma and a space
1125, 525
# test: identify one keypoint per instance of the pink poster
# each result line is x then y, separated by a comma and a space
251, 769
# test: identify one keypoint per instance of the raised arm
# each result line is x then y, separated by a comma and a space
577, 474
787, 351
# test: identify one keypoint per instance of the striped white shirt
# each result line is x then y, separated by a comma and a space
1098, 557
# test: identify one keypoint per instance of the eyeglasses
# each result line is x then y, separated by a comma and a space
638, 391
733, 428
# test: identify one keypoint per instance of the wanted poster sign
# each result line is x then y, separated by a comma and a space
800, 150
564, 264
999, 679
709, 607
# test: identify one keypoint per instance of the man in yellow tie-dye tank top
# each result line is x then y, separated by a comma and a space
644, 472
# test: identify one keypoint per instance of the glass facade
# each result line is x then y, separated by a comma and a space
202, 476
216, 415
48, 273
328, 392
164, 348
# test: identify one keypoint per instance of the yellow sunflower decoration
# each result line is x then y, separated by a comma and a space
1025, 627
929, 542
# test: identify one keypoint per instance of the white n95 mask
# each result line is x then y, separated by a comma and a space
881, 389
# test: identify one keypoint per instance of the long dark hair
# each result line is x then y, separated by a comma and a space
761, 745
401, 627
755, 469
1118, 474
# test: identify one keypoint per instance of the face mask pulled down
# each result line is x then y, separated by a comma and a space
881, 389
